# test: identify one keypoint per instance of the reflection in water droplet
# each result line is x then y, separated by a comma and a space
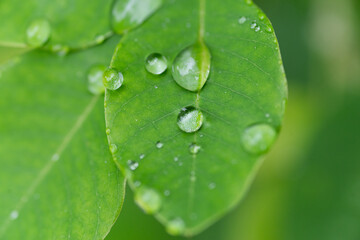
14, 215
113, 148
194, 148
127, 14
242, 20
38, 32
258, 138
190, 119
191, 67
132, 165
175, 226
112, 79
156, 63
95, 83
148, 199
159, 144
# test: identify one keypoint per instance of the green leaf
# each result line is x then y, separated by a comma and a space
246, 87
58, 178
72, 24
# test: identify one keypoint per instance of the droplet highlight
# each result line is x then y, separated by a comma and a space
112, 79
175, 226
113, 148
38, 32
258, 139
194, 148
156, 63
148, 199
133, 165
191, 67
14, 215
95, 82
159, 144
190, 119
242, 20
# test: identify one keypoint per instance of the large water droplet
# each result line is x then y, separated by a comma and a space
191, 67
175, 226
258, 138
148, 199
112, 79
132, 165
95, 83
190, 119
194, 148
38, 32
127, 14
156, 63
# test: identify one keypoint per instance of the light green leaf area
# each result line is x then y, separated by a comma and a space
187, 191
58, 180
72, 24
7, 53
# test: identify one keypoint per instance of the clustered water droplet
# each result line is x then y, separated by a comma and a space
112, 79
38, 32
190, 119
148, 199
257, 139
156, 63
95, 83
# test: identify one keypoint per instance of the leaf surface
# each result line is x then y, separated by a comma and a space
58, 180
246, 86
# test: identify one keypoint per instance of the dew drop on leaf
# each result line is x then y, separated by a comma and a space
194, 148
159, 144
156, 63
190, 119
258, 138
95, 83
148, 199
113, 148
112, 79
38, 32
14, 215
242, 20
191, 67
132, 165
108, 131
175, 226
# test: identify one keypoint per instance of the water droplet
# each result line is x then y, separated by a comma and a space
212, 186
95, 83
261, 15
175, 226
112, 79
128, 14
100, 39
257, 28
148, 199
38, 32
194, 148
269, 29
242, 20
108, 131
249, 2
14, 215
137, 183
258, 138
142, 156
60, 50
253, 25
190, 119
55, 157
156, 63
113, 148
159, 144
191, 67
167, 193
132, 165
176, 159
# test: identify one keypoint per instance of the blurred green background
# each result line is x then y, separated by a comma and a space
309, 185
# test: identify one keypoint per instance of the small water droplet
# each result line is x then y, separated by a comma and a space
257, 28
132, 165
159, 144
108, 131
60, 50
112, 79
253, 25
113, 148
100, 39
249, 2
95, 83
176, 159
190, 119
55, 157
242, 20
156, 87
14, 215
167, 193
261, 15
142, 156
148, 199
269, 29
194, 148
175, 226
38, 32
258, 138
212, 186
191, 67
156, 63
